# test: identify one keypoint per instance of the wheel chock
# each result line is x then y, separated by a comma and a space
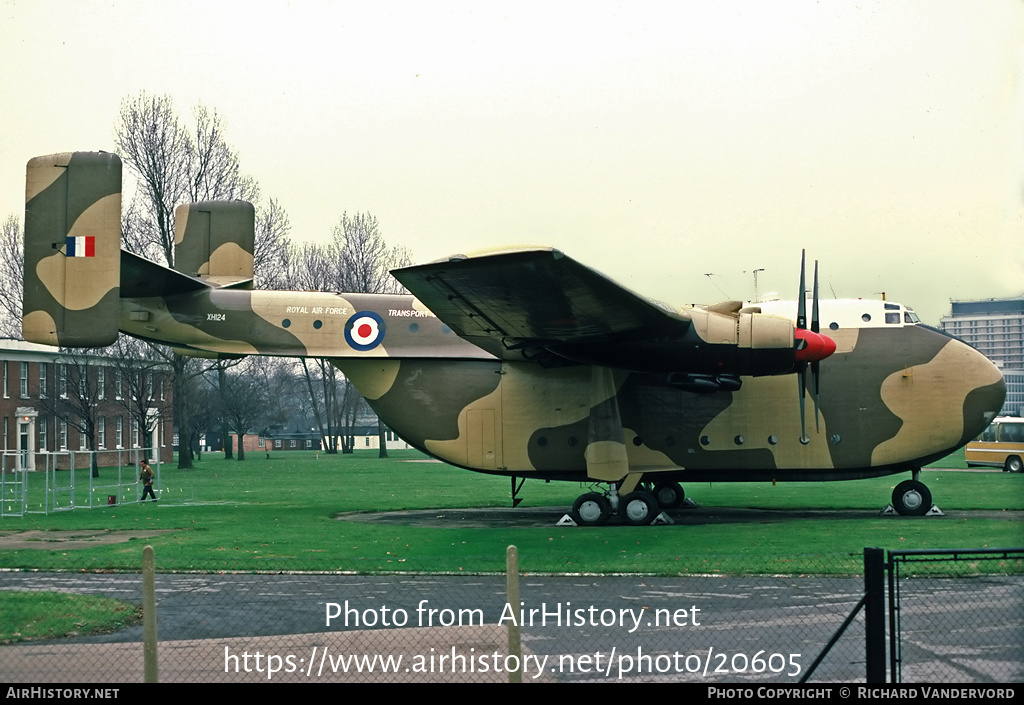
566, 520
689, 504
934, 512
889, 511
662, 518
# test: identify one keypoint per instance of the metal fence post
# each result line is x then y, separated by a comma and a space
512, 583
149, 615
874, 613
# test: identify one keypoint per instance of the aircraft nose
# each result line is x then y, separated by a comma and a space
983, 403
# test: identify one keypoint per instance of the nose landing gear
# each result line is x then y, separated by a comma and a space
911, 498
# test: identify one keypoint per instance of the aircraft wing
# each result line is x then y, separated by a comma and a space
535, 302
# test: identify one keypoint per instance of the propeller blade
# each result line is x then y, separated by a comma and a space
816, 364
801, 298
815, 327
816, 379
802, 381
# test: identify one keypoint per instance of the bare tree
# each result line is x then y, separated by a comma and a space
272, 260
139, 371
75, 402
364, 259
173, 165
12, 268
156, 147
245, 394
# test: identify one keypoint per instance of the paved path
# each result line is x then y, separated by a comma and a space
704, 629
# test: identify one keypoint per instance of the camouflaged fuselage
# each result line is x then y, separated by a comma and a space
894, 397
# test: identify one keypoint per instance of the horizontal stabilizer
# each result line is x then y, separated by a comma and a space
141, 278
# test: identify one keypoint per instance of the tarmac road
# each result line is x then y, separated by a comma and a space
596, 628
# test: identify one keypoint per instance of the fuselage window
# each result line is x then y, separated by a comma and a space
892, 317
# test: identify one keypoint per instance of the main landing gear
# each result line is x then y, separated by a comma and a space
637, 508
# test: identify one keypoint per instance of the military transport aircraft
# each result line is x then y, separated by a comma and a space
526, 363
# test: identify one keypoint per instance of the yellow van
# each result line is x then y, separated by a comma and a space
1001, 445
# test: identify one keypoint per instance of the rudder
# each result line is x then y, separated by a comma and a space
72, 249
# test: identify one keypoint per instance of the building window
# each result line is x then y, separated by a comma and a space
42, 434
81, 435
292, 444
118, 432
101, 383
63, 434
5, 383
277, 444
135, 433
101, 432
63, 371
117, 384
42, 380
24, 380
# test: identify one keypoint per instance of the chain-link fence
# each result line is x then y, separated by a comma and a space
422, 627
950, 622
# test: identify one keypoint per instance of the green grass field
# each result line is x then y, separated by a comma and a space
282, 514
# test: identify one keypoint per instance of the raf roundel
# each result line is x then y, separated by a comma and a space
364, 330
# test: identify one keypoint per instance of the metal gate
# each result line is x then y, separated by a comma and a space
952, 615
956, 614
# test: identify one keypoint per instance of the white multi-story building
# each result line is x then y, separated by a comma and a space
994, 327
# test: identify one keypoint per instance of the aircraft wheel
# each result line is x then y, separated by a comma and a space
638, 508
591, 509
1014, 464
912, 498
669, 494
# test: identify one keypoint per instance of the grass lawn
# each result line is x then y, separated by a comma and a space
28, 616
281, 514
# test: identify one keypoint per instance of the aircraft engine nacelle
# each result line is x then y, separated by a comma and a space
744, 329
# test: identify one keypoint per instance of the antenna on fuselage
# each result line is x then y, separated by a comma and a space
757, 299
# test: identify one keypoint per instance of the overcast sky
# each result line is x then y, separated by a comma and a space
657, 142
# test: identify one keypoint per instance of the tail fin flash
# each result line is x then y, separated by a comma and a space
215, 241
72, 249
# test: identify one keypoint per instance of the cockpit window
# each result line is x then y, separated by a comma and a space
892, 307
910, 317
892, 317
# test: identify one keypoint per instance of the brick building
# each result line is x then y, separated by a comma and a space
51, 402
